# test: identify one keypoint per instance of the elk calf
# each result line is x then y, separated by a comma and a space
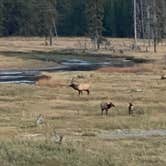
131, 109
105, 107
80, 87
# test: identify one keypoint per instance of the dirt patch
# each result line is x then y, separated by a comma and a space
135, 69
10, 132
49, 80
133, 133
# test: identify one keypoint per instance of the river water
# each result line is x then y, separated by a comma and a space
65, 64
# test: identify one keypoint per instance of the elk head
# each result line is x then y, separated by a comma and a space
110, 104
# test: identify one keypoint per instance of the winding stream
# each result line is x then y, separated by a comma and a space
66, 63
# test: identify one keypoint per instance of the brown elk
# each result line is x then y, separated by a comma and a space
80, 87
106, 106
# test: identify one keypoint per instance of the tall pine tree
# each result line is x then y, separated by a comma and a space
94, 15
1, 18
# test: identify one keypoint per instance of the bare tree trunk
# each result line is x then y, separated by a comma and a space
45, 41
55, 29
142, 19
135, 25
51, 36
98, 44
155, 44
148, 26
154, 26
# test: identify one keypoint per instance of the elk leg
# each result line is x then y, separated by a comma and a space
88, 92
80, 92
130, 112
106, 111
102, 111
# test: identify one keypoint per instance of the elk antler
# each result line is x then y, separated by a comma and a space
73, 80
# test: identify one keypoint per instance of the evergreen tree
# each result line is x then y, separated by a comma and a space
112, 18
109, 18
1, 18
64, 8
46, 18
77, 17
94, 15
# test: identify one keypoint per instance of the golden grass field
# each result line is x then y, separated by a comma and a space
78, 118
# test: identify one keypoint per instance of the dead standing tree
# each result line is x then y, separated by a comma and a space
157, 21
51, 19
151, 20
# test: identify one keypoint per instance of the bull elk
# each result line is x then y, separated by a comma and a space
106, 106
80, 87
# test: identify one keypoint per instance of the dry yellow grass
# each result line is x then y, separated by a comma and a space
63, 108
78, 118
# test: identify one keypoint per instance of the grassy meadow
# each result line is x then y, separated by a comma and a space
78, 118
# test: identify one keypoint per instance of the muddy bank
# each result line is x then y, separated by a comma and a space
134, 69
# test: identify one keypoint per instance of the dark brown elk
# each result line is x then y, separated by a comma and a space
106, 106
80, 87
131, 109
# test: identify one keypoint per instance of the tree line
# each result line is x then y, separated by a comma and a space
70, 17
94, 18
151, 20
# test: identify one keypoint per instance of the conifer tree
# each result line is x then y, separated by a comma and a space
1, 18
94, 15
47, 18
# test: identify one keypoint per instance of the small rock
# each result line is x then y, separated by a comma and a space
39, 120
137, 90
57, 138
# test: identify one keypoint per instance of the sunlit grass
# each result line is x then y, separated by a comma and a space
79, 119
80, 153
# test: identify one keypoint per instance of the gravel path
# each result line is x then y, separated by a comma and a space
133, 133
